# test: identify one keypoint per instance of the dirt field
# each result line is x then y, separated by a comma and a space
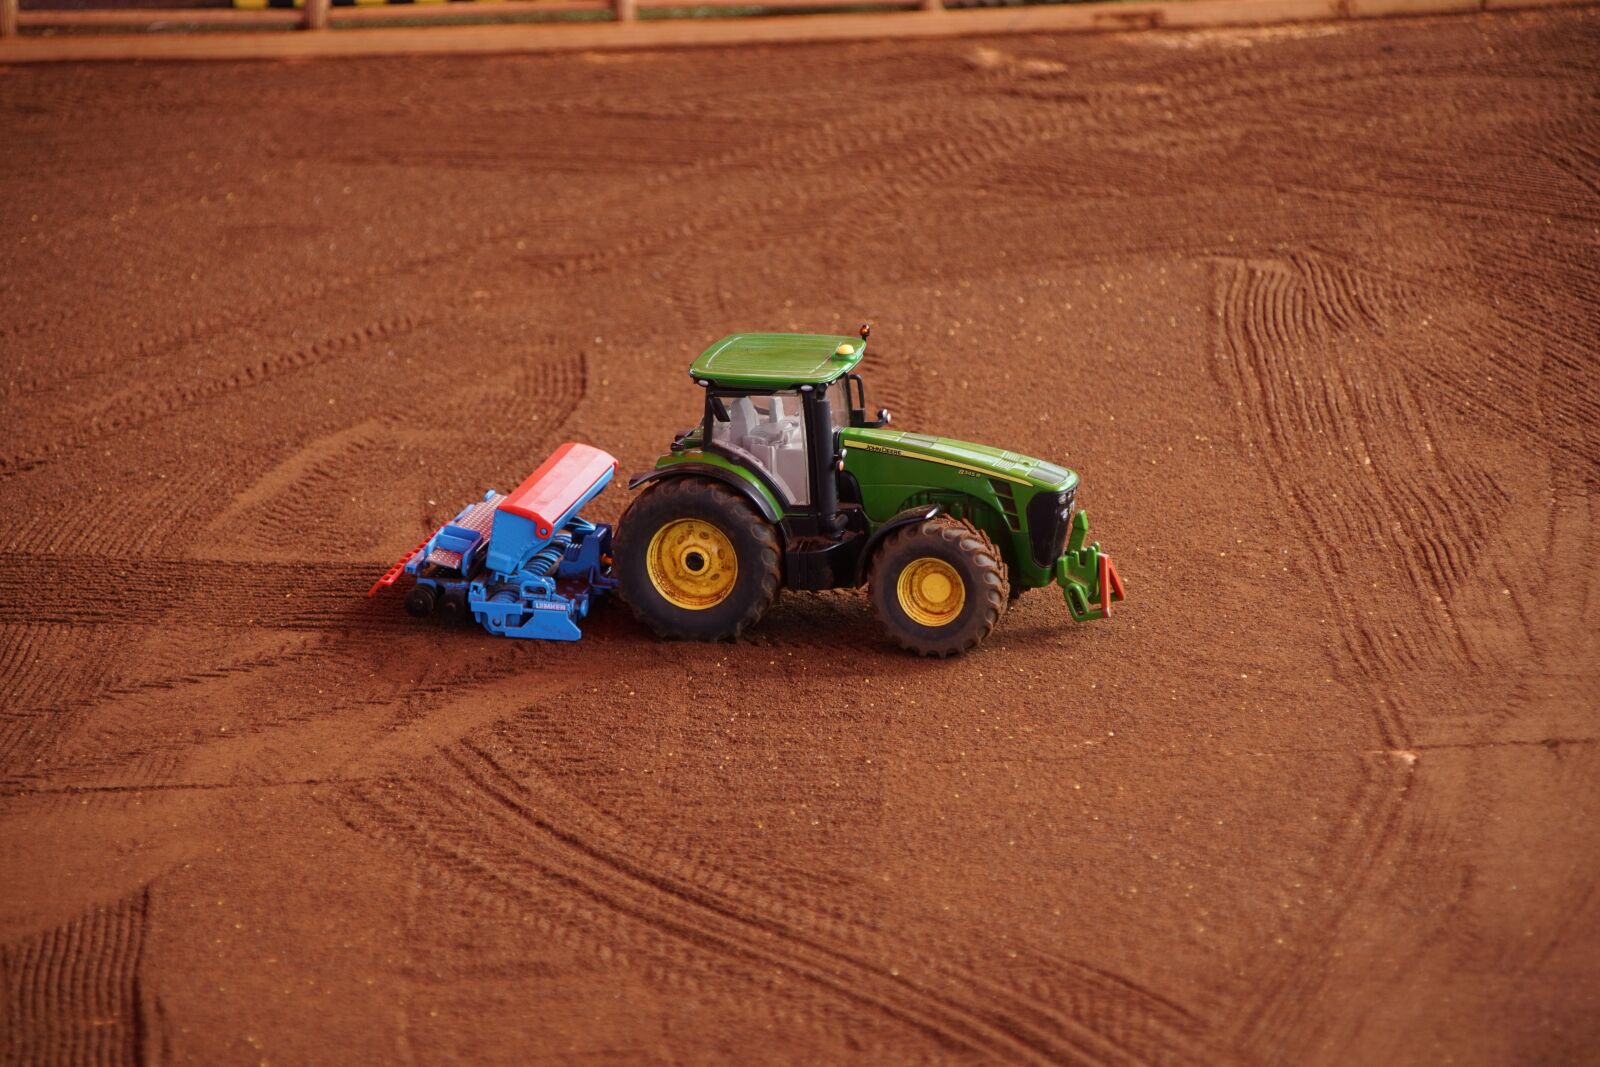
1315, 312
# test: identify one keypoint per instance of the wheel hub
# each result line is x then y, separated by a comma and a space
692, 564
931, 592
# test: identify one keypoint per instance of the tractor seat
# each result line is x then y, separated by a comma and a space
777, 430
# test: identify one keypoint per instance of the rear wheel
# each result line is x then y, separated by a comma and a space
938, 587
697, 562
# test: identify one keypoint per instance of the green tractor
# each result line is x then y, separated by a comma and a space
787, 483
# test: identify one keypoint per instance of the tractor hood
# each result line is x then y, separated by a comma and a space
963, 455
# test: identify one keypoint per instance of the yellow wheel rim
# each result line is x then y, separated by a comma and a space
931, 592
692, 564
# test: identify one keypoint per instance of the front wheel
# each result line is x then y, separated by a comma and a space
938, 587
696, 560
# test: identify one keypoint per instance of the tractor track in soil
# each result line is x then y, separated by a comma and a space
689, 919
1312, 309
80, 989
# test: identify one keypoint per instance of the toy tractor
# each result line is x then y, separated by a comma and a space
786, 483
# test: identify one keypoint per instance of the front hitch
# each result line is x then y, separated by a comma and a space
1086, 575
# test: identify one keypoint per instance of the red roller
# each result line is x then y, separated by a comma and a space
559, 485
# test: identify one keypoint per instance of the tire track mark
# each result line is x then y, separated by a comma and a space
145, 407
1271, 314
809, 152
539, 392
293, 298
43, 661
319, 501
1273, 1029
144, 516
771, 154
73, 994
164, 734
142, 408
1400, 514
293, 510
1567, 653
1547, 363
136, 726
296, 651
540, 834
84, 591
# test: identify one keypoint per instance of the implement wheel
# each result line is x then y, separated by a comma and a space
696, 560
938, 587
421, 601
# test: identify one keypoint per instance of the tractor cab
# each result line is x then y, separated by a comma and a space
774, 404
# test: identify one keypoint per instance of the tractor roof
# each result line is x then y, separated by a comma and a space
758, 360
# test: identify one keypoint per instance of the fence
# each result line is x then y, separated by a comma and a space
320, 14
618, 24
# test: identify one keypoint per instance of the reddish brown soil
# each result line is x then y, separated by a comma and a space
1314, 311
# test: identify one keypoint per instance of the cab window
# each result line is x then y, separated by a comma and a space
839, 404
769, 433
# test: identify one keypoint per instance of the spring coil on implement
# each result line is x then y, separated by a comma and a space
549, 557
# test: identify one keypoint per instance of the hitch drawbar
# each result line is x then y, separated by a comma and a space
522, 564
1088, 579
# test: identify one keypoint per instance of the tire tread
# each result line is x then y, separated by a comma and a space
969, 541
687, 495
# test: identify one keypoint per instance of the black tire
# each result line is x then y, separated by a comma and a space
453, 606
421, 600
974, 559
755, 547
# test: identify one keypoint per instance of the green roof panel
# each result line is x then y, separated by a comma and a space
759, 360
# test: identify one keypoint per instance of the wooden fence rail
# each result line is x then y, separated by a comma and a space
320, 14
903, 19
